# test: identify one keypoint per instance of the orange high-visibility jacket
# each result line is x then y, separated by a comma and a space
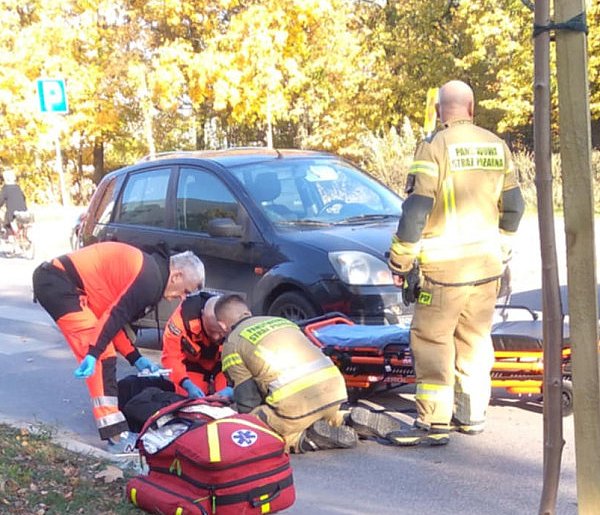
119, 283
186, 348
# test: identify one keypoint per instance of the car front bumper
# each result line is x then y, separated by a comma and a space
370, 305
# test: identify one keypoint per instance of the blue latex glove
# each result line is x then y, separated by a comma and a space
226, 392
143, 363
193, 391
86, 367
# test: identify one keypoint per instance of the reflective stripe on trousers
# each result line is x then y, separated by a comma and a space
106, 411
453, 352
79, 328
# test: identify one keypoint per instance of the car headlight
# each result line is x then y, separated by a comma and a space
360, 268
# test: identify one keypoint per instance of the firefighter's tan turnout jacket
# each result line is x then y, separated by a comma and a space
294, 377
462, 200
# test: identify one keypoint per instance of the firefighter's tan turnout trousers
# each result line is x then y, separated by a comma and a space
292, 430
453, 351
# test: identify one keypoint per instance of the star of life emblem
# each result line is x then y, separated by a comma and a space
244, 437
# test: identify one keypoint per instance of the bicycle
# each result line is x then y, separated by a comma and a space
17, 242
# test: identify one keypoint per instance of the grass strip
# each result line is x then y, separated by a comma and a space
38, 477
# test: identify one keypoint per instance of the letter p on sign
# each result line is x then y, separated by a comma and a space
53, 95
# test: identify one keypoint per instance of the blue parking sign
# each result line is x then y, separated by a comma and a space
53, 95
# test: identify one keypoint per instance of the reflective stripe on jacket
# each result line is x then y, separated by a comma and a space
293, 375
464, 169
186, 348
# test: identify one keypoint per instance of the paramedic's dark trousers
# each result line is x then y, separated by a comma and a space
453, 352
67, 305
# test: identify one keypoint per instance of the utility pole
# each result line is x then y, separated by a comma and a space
578, 189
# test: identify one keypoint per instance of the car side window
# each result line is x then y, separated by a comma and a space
144, 198
202, 197
102, 211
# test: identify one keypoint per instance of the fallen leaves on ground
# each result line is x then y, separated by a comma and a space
38, 477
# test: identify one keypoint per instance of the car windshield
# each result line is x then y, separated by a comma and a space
317, 192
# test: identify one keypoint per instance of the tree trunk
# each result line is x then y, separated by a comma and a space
552, 310
578, 195
98, 160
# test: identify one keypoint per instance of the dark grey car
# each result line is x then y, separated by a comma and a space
298, 233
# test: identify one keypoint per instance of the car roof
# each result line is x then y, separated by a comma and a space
227, 158
235, 156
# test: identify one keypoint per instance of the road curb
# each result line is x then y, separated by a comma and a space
68, 440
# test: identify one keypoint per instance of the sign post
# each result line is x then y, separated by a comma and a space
430, 114
52, 95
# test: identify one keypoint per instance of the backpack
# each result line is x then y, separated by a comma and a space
203, 457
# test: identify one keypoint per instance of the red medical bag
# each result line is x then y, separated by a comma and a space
231, 465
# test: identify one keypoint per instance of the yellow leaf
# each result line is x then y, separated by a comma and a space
110, 474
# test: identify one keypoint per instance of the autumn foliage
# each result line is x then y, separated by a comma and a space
339, 75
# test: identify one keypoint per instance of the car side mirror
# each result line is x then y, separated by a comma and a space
224, 227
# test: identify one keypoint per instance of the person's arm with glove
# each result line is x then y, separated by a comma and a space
511, 208
194, 392
143, 363
226, 392
86, 367
421, 187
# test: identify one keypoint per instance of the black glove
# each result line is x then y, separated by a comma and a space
411, 286
505, 289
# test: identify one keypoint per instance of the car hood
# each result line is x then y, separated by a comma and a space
374, 238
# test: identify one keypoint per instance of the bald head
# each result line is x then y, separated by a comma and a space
229, 310
211, 327
455, 102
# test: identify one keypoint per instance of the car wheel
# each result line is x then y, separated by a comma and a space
567, 398
293, 306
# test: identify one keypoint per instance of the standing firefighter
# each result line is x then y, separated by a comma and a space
463, 203
92, 294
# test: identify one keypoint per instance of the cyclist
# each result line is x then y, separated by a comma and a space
11, 195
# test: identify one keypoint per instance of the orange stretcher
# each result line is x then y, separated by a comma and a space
372, 357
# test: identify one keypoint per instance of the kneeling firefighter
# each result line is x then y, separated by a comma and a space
282, 378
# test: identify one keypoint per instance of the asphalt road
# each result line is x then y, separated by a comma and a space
498, 472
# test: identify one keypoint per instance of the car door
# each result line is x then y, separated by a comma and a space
232, 262
143, 217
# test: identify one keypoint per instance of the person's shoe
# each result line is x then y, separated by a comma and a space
473, 428
369, 424
418, 434
321, 436
124, 446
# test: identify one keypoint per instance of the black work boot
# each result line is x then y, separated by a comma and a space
436, 434
369, 424
322, 436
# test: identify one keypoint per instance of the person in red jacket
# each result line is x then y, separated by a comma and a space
191, 352
192, 347
92, 294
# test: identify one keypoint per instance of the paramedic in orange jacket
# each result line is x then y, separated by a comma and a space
192, 347
92, 294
